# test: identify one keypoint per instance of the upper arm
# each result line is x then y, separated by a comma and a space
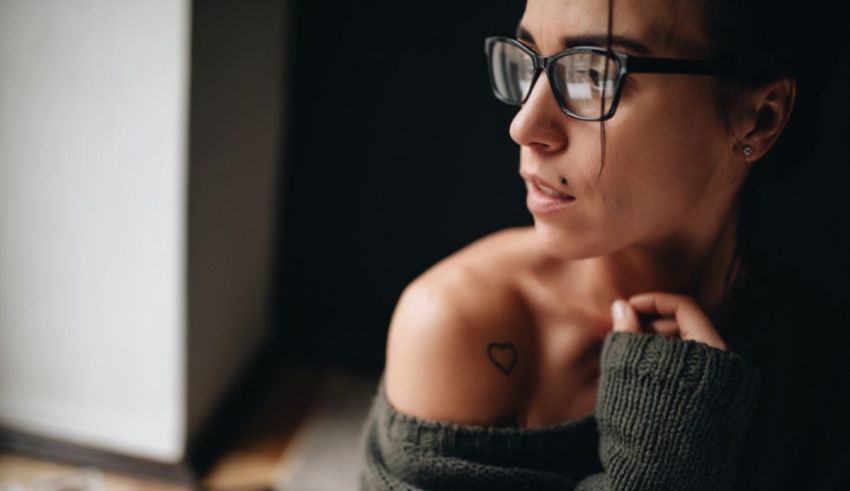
455, 351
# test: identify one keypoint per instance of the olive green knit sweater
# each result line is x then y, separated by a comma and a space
670, 415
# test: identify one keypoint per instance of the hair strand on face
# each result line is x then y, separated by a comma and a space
608, 43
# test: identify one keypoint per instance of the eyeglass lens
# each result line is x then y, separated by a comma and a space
580, 79
512, 72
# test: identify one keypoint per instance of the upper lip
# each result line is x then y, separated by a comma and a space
538, 181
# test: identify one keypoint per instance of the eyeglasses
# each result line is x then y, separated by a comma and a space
587, 81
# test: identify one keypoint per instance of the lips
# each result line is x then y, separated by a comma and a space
544, 186
543, 199
548, 190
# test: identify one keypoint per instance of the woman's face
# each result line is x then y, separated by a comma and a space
669, 166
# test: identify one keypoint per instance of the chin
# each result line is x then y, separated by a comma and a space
567, 244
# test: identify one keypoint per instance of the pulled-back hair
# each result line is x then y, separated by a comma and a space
766, 41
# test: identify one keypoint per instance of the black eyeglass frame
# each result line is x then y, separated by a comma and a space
625, 64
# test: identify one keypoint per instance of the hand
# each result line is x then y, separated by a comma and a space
680, 315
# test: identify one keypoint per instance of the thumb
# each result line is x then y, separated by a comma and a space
625, 318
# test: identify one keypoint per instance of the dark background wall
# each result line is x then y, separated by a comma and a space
397, 155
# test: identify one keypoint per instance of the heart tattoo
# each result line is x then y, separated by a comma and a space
503, 355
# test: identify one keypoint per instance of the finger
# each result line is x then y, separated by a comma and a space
665, 326
625, 318
692, 322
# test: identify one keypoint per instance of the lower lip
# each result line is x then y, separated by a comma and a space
541, 203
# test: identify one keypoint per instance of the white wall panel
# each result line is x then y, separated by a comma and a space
93, 124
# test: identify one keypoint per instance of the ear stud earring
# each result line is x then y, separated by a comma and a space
748, 150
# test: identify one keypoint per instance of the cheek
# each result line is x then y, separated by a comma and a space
659, 161
660, 155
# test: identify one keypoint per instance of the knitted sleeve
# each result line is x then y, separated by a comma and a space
670, 415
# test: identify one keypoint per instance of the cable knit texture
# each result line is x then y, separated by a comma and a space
670, 415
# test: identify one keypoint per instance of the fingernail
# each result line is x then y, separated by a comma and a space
618, 310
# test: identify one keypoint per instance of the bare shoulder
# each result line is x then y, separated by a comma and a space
460, 346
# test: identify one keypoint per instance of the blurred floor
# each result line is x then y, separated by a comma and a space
326, 452
19, 473
302, 436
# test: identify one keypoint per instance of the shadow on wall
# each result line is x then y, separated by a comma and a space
398, 156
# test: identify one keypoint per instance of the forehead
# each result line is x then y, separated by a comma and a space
666, 27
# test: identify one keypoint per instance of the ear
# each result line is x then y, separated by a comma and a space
768, 108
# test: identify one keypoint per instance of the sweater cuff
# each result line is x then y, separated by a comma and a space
670, 409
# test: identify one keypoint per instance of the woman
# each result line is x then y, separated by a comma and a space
620, 342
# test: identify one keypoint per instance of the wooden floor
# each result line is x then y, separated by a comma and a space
252, 461
25, 473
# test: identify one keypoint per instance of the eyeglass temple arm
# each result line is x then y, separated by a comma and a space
637, 64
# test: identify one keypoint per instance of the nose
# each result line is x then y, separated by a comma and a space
540, 124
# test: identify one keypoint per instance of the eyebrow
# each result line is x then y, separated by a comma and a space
600, 40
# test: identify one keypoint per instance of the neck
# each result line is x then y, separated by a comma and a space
694, 263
